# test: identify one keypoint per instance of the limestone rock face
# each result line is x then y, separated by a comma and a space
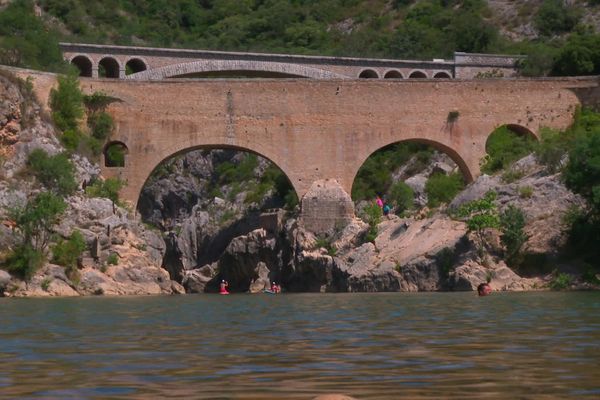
326, 207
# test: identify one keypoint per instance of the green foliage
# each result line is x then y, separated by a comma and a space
24, 261
115, 155
113, 259
525, 192
108, 188
480, 215
441, 188
325, 243
101, 125
375, 175
56, 172
505, 147
551, 149
26, 42
67, 252
36, 219
229, 172
555, 17
372, 215
512, 175
580, 55
560, 281
582, 173
66, 103
512, 223
401, 196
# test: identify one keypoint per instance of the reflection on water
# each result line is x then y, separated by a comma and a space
370, 346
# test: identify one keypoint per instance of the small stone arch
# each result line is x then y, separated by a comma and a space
83, 64
135, 65
417, 74
368, 74
393, 74
442, 75
109, 67
115, 154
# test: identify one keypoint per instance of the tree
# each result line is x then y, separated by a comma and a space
66, 103
441, 188
402, 196
480, 215
56, 172
512, 223
582, 173
37, 218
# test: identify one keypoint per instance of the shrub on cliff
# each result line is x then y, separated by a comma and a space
512, 224
56, 172
108, 188
24, 261
441, 188
67, 252
66, 102
402, 197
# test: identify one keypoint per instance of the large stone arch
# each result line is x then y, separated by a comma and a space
451, 152
84, 63
292, 70
144, 171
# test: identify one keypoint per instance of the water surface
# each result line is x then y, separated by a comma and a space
370, 346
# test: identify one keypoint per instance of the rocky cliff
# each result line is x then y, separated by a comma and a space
122, 256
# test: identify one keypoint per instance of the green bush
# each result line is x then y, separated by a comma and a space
561, 281
555, 17
36, 219
24, 261
512, 224
441, 188
101, 125
401, 196
108, 188
25, 41
67, 252
582, 173
113, 259
551, 149
66, 103
56, 172
372, 215
525, 192
505, 147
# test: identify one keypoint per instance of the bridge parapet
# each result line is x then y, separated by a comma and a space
159, 63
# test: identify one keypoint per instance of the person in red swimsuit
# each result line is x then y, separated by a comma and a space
223, 287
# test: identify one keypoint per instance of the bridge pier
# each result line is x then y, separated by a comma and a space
326, 208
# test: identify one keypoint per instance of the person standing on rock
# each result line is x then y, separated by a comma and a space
379, 201
223, 287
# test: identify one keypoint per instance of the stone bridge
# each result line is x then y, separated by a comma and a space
320, 132
146, 63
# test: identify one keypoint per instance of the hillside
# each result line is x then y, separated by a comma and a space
553, 32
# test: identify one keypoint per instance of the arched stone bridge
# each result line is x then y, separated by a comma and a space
318, 131
146, 63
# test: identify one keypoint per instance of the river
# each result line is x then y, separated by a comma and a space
296, 346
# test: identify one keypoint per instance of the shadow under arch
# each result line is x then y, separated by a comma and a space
108, 67
208, 148
83, 64
115, 153
467, 174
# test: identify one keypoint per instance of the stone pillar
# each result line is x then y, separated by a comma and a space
326, 207
122, 73
94, 72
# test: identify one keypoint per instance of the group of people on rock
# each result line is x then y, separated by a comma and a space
385, 207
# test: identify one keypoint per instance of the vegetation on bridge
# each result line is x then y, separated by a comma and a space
407, 29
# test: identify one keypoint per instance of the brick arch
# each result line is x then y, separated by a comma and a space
417, 74
111, 58
444, 148
78, 60
183, 148
293, 70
